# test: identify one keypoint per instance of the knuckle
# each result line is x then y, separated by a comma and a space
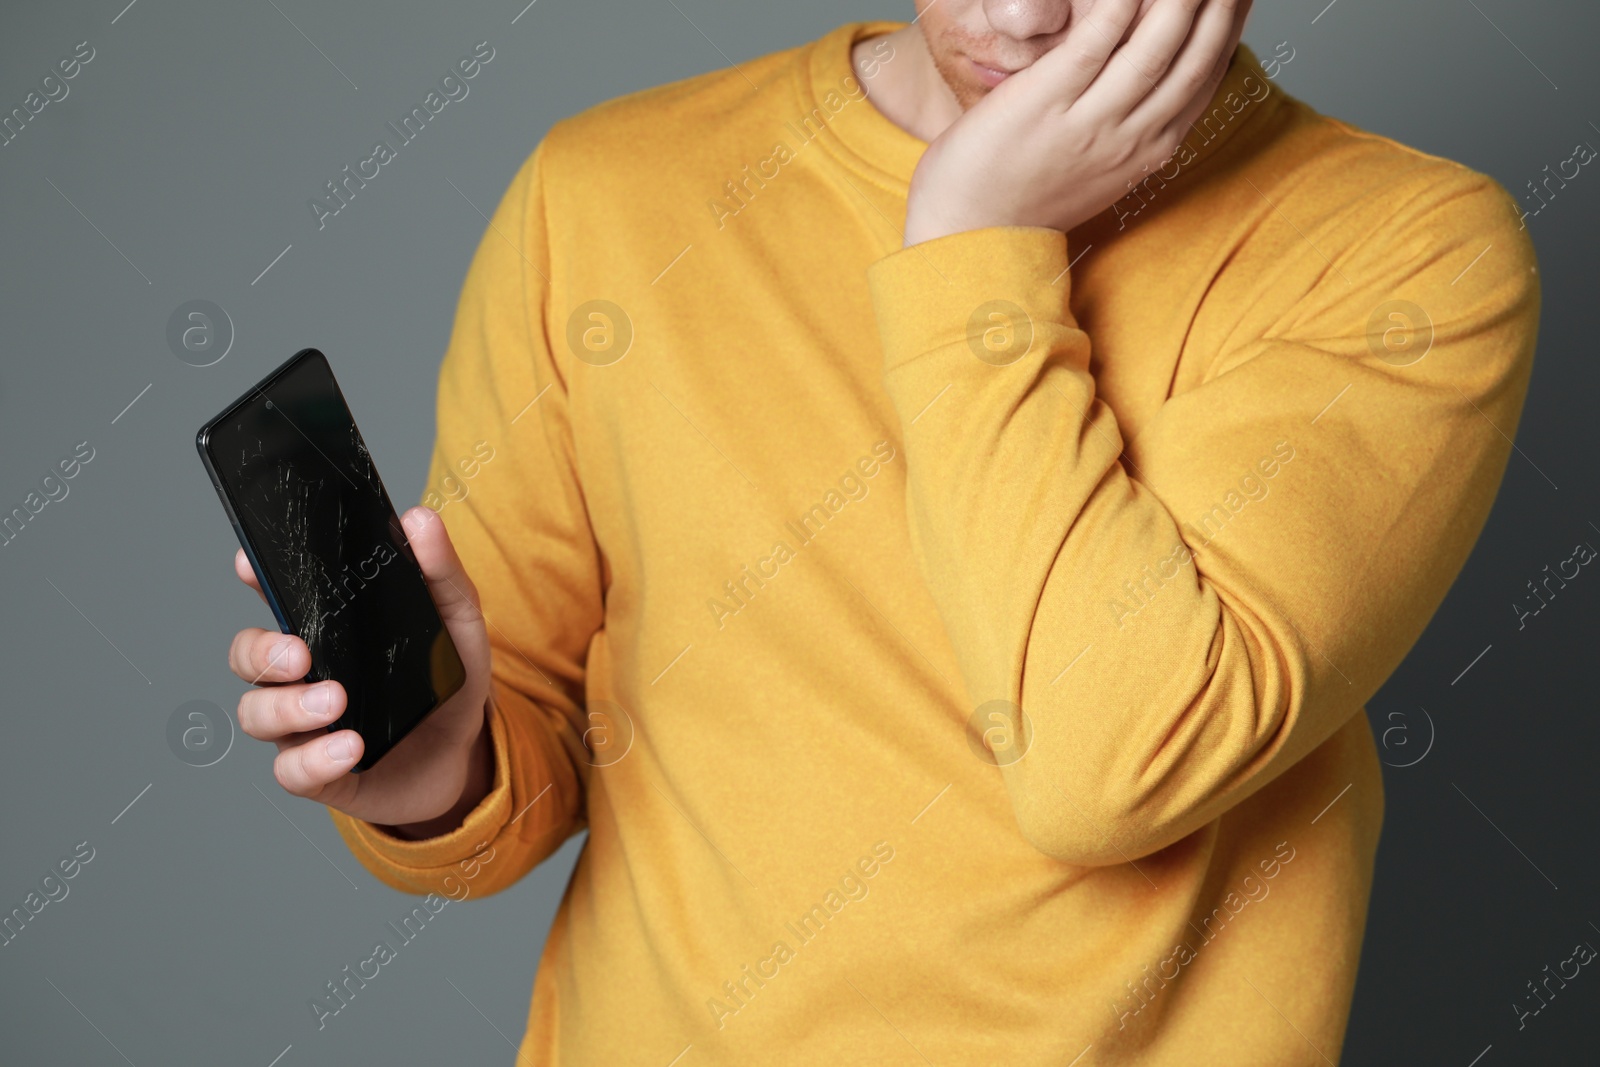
1156, 148
284, 770
237, 651
287, 712
246, 716
261, 714
291, 770
1085, 59
258, 658
1147, 66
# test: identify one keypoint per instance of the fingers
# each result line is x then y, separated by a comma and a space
1136, 70
1069, 68
453, 591
279, 711
1199, 67
307, 769
247, 573
263, 657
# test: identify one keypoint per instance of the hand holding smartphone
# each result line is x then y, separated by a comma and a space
385, 646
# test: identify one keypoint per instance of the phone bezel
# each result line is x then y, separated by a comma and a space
272, 595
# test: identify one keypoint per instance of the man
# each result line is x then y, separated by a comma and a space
940, 539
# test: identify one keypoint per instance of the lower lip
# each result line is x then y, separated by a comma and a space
988, 76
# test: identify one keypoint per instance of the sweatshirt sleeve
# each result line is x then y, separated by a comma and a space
1173, 621
502, 479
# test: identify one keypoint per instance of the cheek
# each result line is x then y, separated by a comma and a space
947, 25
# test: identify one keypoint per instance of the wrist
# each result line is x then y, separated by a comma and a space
473, 779
923, 226
928, 224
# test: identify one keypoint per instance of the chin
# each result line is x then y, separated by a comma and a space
954, 71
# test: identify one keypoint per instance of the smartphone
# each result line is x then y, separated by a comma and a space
332, 559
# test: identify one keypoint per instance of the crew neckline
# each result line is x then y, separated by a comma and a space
868, 142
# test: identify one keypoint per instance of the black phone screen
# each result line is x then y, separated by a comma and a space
331, 555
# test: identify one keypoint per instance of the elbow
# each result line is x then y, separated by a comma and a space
1141, 777
1074, 831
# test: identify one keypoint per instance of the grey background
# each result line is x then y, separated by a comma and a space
182, 160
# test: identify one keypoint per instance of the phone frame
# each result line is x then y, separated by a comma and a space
273, 597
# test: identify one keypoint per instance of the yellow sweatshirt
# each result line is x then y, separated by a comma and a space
956, 654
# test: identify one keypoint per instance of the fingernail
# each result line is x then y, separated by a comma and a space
318, 700
280, 652
341, 748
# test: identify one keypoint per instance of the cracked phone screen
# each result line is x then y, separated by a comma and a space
331, 554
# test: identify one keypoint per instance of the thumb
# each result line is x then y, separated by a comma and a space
448, 582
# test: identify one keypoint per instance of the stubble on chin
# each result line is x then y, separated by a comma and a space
955, 72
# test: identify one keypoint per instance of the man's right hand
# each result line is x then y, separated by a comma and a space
1062, 140
429, 781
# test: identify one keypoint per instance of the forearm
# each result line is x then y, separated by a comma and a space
1169, 667
1025, 524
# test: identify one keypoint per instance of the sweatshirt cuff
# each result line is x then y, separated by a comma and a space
989, 291
414, 861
